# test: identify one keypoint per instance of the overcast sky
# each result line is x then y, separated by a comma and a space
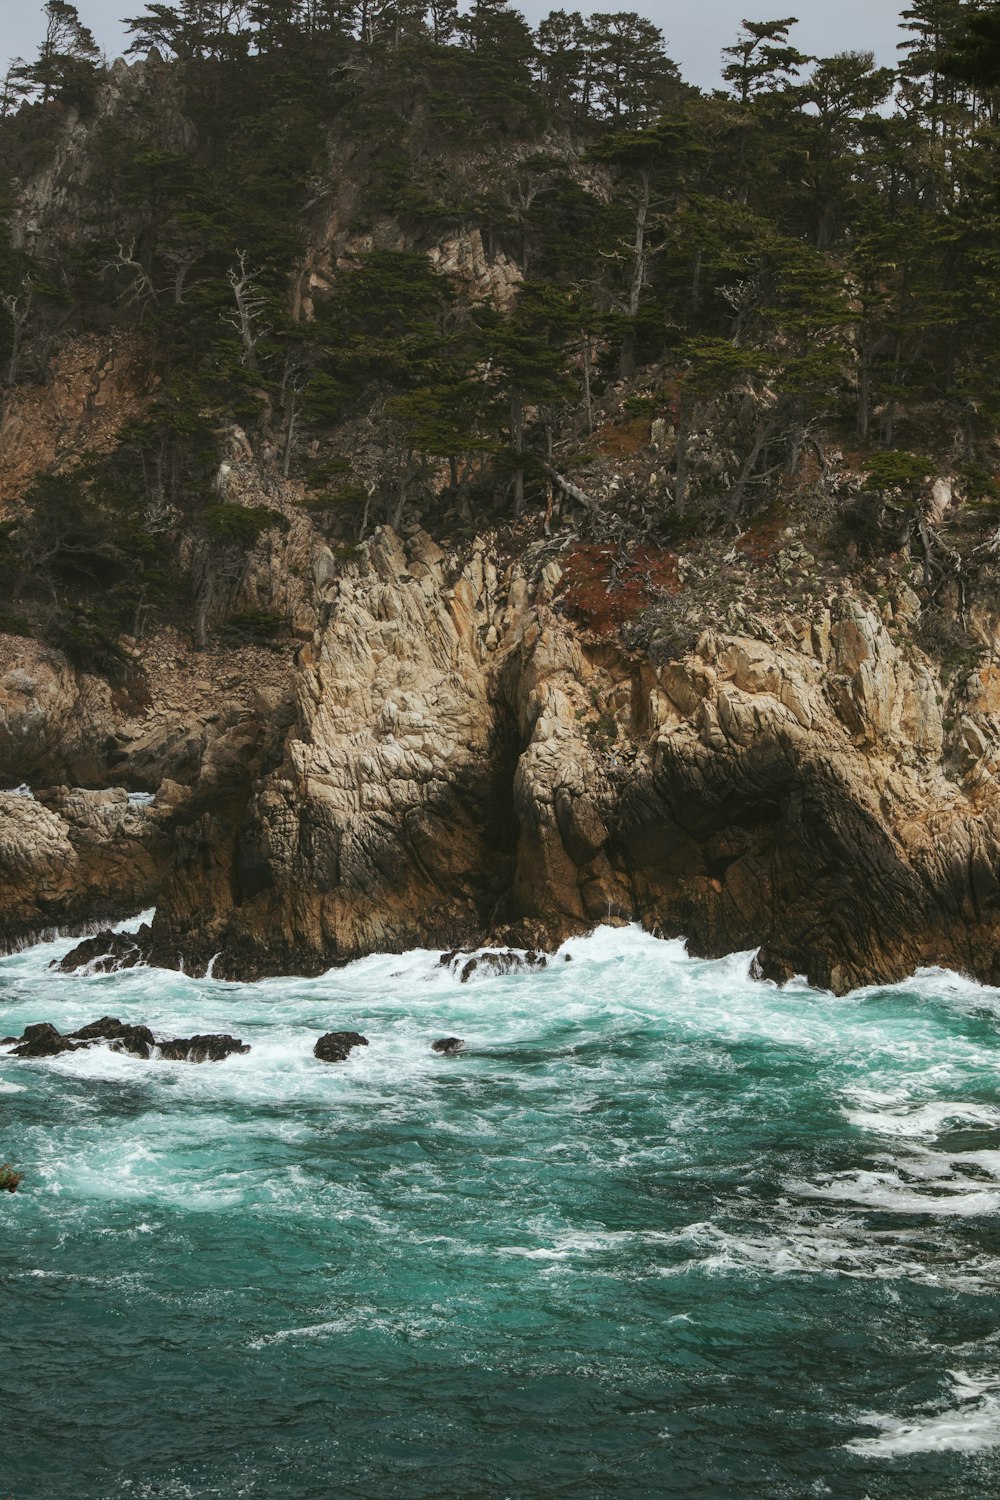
694, 32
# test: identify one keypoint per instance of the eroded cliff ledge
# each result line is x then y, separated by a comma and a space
466, 764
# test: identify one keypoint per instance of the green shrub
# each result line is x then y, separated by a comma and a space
897, 470
240, 524
254, 625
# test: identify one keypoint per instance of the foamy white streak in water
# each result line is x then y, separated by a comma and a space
966, 1428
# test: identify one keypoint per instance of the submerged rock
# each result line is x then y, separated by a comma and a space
108, 951
212, 1047
336, 1046
448, 1045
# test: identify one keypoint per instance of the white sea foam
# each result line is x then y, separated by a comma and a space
969, 1427
889, 1191
925, 1119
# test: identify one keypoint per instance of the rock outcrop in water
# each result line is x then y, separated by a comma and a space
120, 1036
490, 962
212, 1047
44, 1040
108, 952
337, 1046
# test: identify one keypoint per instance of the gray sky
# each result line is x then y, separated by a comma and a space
694, 33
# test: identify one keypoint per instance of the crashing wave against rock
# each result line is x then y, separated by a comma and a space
489, 962
108, 952
448, 1046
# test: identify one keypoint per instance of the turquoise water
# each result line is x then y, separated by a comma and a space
660, 1231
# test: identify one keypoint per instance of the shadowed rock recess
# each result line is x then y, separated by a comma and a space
450, 779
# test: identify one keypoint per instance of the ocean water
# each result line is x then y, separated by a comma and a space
659, 1231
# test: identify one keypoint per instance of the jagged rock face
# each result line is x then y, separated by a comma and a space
94, 387
390, 818
75, 858
797, 799
466, 766
58, 725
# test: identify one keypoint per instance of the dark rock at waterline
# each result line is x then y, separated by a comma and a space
213, 1047
770, 963
10, 1180
336, 1046
122, 1037
448, 1045
43, 1040
108, 952
491, 962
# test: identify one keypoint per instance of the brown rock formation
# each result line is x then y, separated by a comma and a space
94, 387
465, 764
73, 859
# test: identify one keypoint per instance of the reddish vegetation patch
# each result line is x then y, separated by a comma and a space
621, 440
670, 395
765, 540
603, 591
807, 473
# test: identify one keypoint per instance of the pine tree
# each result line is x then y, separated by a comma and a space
763, 59
633, 76
934, 27
66, 65
564, 61
530, 354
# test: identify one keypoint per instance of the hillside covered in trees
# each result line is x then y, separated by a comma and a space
421, 258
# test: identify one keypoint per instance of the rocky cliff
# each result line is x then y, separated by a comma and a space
515, 738
466, 764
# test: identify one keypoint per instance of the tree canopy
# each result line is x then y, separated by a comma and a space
408, 246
